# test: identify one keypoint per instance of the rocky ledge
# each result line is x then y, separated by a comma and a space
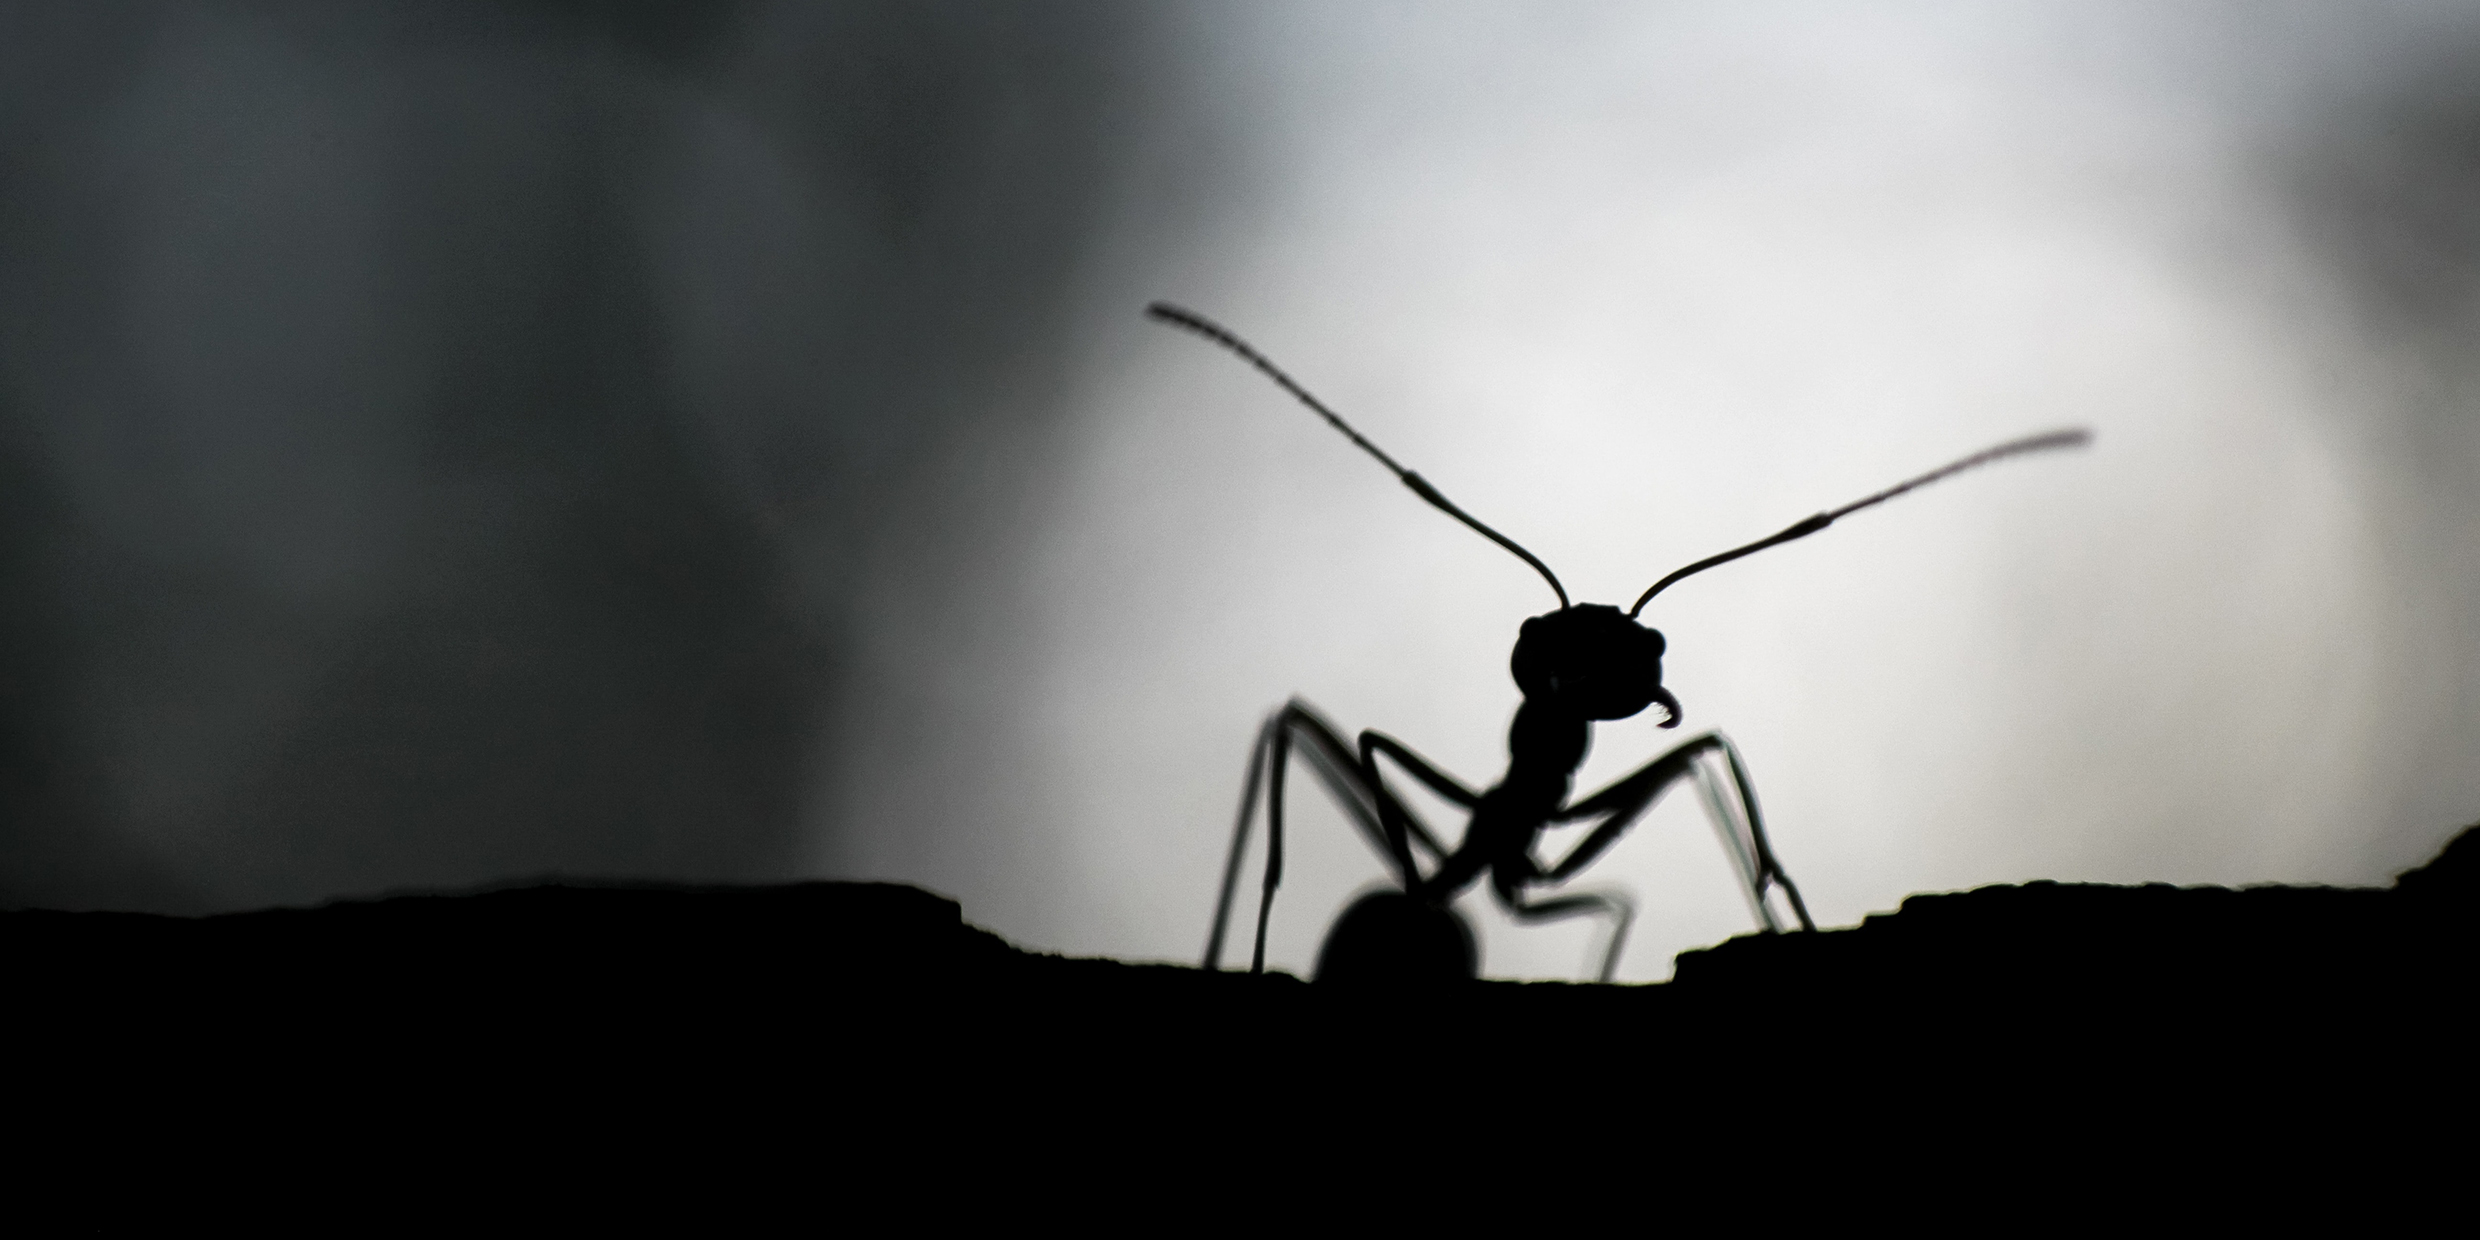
843, 993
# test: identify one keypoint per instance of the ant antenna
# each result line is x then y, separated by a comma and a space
2074, 438
1166, 312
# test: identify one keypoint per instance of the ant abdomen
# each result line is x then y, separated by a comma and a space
1394, 938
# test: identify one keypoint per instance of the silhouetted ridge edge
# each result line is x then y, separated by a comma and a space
566, 933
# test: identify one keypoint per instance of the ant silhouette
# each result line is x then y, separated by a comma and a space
1582, 664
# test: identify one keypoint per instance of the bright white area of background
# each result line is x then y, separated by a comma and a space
1636, 284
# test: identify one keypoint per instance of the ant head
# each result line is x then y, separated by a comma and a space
1592, 661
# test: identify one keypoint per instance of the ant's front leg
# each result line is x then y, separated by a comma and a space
1742, 827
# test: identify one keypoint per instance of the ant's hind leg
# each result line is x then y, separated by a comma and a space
1618, 908
1239, 843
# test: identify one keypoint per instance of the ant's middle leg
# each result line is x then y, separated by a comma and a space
1353, 783
1403, 828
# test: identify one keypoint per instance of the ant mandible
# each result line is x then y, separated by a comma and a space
1582, 664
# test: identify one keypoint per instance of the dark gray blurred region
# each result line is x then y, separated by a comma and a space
2385, 175
436, 440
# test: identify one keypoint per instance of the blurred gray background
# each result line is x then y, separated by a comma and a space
451, 443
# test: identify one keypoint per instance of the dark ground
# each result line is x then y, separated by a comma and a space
871, 1019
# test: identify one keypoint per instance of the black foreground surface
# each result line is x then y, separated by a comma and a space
549, 1013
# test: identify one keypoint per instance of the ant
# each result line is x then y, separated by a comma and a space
1582, 664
